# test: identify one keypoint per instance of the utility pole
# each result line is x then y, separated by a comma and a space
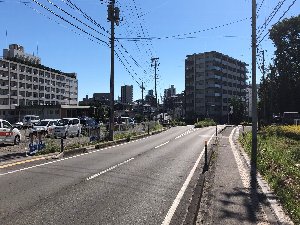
143, 93
154, 60
254, 97
263, 85
113, 17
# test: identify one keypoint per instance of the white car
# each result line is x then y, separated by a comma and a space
67, 127
30, 120
45, 127
9, 134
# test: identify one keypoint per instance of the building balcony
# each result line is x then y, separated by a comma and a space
2, 77
213, 86
5, 96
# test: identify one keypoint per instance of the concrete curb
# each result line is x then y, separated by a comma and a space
194, 207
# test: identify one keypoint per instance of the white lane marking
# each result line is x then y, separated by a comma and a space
162, 145
245, 177
179, 196
59, 160
109, 169
186, 133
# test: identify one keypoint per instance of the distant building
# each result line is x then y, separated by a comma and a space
25, 82
98, 98
127, 94
170, 92
211, 80
150, 99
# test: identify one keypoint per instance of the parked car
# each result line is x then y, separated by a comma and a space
30, 120
67, 127
87, 122
18, 125
46, 127
290, 117
9, 134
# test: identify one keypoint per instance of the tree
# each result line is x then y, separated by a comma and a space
281, 89
239, 109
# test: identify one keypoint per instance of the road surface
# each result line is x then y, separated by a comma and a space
147, 181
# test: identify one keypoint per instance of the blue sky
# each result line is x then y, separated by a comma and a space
63, 49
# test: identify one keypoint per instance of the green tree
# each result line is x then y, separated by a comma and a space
239, 109
281, 88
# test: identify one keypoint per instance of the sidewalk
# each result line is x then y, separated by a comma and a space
228, 197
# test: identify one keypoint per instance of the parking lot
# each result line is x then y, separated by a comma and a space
87, 135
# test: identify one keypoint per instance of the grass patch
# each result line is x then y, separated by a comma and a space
205, 123
278, 161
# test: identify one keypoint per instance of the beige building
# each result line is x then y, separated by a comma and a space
25, 82
211, 80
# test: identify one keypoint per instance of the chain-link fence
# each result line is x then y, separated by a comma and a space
37, 142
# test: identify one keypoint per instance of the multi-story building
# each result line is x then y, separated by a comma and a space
127, 94
170, 92
98, 98
211, 80
25, 82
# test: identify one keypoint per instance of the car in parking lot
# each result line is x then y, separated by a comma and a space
8, 133
67, 127
87, 122
45, 127
30, 120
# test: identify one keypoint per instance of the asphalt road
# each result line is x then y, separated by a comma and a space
141, 182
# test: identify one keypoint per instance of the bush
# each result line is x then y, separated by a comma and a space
205, 123
51, 147
175, 123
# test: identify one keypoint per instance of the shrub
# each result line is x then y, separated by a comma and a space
205, 123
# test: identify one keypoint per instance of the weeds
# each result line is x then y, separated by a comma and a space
278, 161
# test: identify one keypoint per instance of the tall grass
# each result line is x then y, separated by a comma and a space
278, 161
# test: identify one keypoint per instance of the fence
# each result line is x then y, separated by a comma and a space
34, 142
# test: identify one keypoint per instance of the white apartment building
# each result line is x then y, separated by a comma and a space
25, 82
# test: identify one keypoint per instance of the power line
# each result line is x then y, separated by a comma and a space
262, 2
75, 18
37, 11
74, 6
67, 21
290, 6
178, 36
270, 17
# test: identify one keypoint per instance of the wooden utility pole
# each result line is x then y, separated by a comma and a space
113, 17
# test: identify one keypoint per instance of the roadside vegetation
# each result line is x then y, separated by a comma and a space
52, 146
175, 123
278, 162
205, 123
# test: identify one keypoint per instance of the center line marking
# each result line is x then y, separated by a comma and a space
109, 169
162, 144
